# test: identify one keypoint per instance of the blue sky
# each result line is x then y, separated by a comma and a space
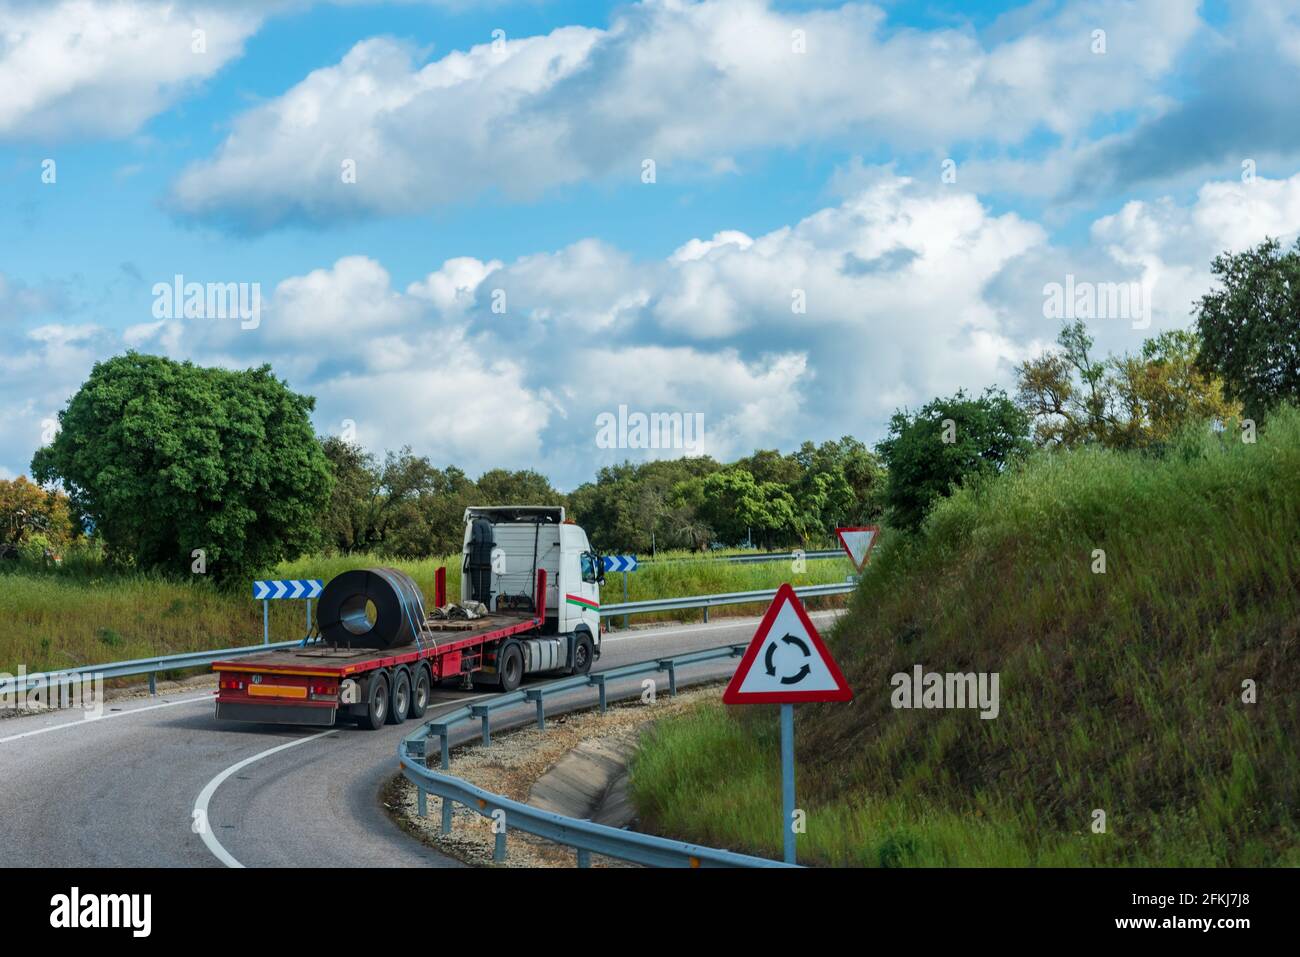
799, 153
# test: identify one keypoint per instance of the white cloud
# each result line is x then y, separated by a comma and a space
103, 67
668, 80
912, 292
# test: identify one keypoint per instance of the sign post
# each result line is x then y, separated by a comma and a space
787, 780
786, 663
267, 590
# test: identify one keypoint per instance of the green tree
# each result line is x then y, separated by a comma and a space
1250, 327
842, 483
636, 508
947, 442
344, 523
738, 507
523, 487
164, 458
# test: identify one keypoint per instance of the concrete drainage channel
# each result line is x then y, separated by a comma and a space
433, 741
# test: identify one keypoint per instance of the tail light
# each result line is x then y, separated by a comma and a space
232, 684
322, 689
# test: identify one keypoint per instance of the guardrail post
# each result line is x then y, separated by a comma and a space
444, 745
421, 802
446, 815
481, 712
537, 696
153, 682
499, 851
706, 614
584, 858
599, 682
672, 677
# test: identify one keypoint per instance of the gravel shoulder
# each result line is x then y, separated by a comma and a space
512, 765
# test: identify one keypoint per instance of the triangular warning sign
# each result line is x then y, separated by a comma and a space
857, 542
787, 662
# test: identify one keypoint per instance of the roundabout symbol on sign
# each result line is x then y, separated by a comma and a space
804, 671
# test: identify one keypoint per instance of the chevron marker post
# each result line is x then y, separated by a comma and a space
265, 590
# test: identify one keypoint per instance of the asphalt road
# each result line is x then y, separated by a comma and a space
123, 790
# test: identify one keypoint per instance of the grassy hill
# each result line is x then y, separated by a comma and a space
1120, 691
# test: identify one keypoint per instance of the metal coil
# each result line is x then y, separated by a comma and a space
398, 604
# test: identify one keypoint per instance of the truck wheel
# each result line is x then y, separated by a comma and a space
420, 693
376, 705
510, 667
401, 703
584, 651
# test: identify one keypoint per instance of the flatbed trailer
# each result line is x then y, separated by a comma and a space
315, 684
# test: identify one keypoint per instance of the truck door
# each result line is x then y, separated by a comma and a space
581, 592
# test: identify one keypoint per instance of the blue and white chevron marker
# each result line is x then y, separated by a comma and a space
287, 588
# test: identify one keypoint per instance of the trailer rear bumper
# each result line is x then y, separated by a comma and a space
267, 713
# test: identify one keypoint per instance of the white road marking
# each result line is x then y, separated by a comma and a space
690, 629
82, 722
209, 789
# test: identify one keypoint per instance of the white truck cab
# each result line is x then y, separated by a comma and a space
504, 547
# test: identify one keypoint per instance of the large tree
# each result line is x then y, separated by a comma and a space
948, 441
740, 508
166, 458
1126, 402
1250, 326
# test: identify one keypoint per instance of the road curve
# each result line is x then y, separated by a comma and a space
121, 791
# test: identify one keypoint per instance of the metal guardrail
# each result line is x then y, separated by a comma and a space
727, 598
746, 559
137, 666
585, 837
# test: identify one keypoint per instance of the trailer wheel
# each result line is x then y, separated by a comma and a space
376, 705
401, 703
584, 651
420, 693
510, 667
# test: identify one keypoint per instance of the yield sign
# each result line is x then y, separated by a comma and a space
857, 542
787, 662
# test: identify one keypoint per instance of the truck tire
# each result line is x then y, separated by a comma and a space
584, 652
510, 666
420, 692
376, 705
401, 697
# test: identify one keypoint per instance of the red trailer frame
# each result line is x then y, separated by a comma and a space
306, 683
